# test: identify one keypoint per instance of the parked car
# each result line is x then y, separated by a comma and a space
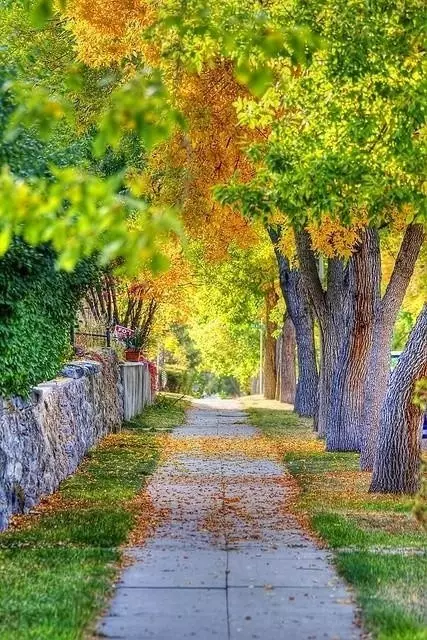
394, 358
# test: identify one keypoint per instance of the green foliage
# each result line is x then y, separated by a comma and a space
348, 132
179, 379
200, 383
251, 34
41, 11
206, 383
141, 106
37, 109
226, 309
37, 309
45, 181
193, 34
82, 214
137, 340
404, 323
49, 192
188, 353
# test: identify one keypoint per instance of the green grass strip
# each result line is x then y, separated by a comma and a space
57, 569
373, 534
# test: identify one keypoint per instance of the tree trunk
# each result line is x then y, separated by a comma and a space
349, 346
348, 399
398, 455
307, 392
299, 309
285, 363
270, 347
332, 307
386, 311
376, 383
334, 334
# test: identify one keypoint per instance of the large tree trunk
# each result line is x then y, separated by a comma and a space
299, 309
386, 311
285, 363
398, 455
307, 392
349, 405
347, 401
270, 347
332, 307
334, 331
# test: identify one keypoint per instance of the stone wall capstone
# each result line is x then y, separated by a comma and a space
43, 440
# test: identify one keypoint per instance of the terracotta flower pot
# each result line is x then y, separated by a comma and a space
133, 355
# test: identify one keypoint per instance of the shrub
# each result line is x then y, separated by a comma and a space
37, 309
179, 380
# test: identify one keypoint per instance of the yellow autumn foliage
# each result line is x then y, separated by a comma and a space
107, 31
333, 239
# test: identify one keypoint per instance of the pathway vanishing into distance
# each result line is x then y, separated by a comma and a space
227, 562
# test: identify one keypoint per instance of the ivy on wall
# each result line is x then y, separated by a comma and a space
37, 308
38, 303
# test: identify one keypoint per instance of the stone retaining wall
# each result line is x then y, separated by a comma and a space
42, 441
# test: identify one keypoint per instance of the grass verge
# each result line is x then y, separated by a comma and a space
379, 546
57, 564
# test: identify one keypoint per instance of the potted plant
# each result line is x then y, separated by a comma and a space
134, 346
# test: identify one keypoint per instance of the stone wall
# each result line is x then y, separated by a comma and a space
43, 440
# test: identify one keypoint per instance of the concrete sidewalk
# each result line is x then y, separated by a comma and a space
228, 563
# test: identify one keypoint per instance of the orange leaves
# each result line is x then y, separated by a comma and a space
149, 516
286, 244
166, 286
106, 31
255, 509
212, 149
256, 447
211, 152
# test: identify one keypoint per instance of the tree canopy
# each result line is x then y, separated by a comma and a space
206, 156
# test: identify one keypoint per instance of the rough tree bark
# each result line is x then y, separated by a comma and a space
347, 401
356, 329
299, 309
270, 346
386, 310
285, 362
398, 455
332, 307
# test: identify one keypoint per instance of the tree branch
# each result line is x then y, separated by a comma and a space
403, 269
310, 275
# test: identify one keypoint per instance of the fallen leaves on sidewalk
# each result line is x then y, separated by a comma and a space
253, 447
149, 517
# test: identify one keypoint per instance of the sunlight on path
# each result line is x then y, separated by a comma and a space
226, 561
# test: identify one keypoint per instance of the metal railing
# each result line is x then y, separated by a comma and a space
105, 336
